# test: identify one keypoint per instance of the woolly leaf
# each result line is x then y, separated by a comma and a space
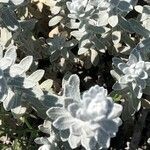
94, 57
5, 63
46, 85
36, 76
85, 117
11, 53
82, 50
25, 63
55, 20
74, 141
113, 20
11, 101
55, 112
63, 123
71, 89
18, 111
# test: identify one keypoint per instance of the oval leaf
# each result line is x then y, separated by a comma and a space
37, 75
55, 20
26, 62
113, 20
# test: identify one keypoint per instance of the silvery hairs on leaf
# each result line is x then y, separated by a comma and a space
48, 143
15, 83
89, 121
144, 15
58, 46
93, 16
15, 2
132, 74
104, 9
5, 62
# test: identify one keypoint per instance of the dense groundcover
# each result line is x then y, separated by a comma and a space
74, 74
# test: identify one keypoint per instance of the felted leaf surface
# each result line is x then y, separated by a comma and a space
113, 20
11, 100
63, 123
55, 20
36, 76
11, 53
71, 88
56, 112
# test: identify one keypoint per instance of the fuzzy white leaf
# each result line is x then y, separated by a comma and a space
47, 85
55, 20
113, 20
25, 63
33, 79
63, 123
10, 101
17, 2
94, 57
16, 70
11, 53
74, 141
82, 50
71, 89
5, 63
55, 112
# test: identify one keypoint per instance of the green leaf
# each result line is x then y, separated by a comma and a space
116, 96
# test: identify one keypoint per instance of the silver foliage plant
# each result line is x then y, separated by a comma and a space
15, 83
144, 15
48, 143
132, 78
58, 46
91, 120
96, 24
103, 10
15, 2
132, 74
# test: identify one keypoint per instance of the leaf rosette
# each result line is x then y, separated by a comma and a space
134, 73
90, 121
